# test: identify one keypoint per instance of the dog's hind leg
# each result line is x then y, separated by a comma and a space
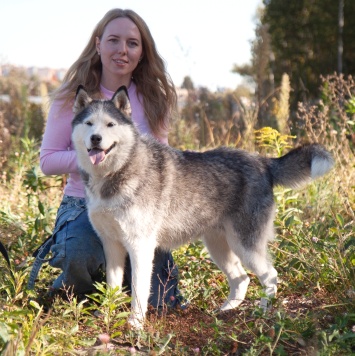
254, 255
230, 265
259, 263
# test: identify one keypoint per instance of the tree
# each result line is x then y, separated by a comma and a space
188, 83
305, 37
260, 71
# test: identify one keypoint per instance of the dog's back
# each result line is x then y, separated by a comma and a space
196, 191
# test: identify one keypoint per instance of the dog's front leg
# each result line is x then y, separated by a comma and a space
142, 265
115, 255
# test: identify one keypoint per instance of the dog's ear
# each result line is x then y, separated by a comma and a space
82, 99
121, 101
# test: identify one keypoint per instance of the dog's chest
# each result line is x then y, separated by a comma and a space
123, 218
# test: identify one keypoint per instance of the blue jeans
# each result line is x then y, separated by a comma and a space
78, 252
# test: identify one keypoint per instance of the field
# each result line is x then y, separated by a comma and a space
313, 251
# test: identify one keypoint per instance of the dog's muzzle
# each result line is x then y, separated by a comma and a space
96, 153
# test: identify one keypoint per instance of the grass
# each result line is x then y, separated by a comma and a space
313, 251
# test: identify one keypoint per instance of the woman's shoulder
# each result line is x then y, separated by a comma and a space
136, 101
60, 108
133, 93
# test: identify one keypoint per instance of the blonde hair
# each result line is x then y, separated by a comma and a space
150, 76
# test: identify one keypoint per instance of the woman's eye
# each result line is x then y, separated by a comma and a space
133, 44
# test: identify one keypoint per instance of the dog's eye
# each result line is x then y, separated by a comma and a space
110, 124
89, 123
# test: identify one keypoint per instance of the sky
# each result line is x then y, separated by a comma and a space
202, 39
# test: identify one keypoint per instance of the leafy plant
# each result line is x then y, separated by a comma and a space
110, 300
271, 139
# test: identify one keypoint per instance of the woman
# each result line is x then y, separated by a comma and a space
121, 51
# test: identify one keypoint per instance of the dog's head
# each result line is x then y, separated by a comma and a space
100, 126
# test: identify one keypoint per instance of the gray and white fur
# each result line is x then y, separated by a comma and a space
142, 194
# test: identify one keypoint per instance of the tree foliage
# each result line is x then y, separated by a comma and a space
187, 83
304, 41
259, 71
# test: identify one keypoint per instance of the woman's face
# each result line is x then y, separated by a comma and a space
120, 49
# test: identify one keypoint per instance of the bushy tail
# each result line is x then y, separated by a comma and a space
301, 165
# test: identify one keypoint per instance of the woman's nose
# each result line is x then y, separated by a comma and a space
122, 48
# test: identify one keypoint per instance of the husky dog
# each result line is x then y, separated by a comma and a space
142, 194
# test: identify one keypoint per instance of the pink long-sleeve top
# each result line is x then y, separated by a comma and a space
57, 154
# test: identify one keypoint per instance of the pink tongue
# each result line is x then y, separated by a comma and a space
96, 156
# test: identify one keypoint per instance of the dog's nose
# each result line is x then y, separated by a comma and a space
96, 139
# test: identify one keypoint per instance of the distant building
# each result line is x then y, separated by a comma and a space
182, 95
48, 75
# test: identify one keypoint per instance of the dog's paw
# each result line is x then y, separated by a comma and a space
265, 304
135, 323
231, 304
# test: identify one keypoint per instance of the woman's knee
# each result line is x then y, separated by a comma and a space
85, 251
